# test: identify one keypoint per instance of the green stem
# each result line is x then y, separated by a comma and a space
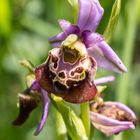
86, 118
124, 81
92, 131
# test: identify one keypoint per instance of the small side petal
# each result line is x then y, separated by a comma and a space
56, 40
104, 80
35, 86
46, 103
106, 57
68, 28
90, 14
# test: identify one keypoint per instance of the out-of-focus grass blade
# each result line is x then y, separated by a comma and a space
113, 20
5, 18
73, 123
74, 4
123, 86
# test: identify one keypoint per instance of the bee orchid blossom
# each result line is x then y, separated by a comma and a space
69, 72
71, 66
90, 14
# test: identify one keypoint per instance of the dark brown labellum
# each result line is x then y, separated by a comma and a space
68, 73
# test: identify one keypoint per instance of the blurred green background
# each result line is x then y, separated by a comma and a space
26, 25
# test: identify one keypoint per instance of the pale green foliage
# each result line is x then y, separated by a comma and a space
73, 123
74, 4
112, 21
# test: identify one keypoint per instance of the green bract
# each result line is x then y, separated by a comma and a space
73, 123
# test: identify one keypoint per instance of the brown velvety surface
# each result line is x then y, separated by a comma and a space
85, 91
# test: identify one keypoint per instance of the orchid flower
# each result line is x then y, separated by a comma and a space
69, 72
112, 117
71, 66
90, 14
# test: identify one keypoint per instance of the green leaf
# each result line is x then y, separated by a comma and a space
73, 123
74, 4
113, 20
61, 131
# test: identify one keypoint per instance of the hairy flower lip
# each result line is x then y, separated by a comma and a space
85, 91
110, 126
67, 76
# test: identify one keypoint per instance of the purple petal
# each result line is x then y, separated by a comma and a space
35, 86
91, 38
104, 80
56, 40
68, 28
106, 57
46, 102
111, 126
90, 14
